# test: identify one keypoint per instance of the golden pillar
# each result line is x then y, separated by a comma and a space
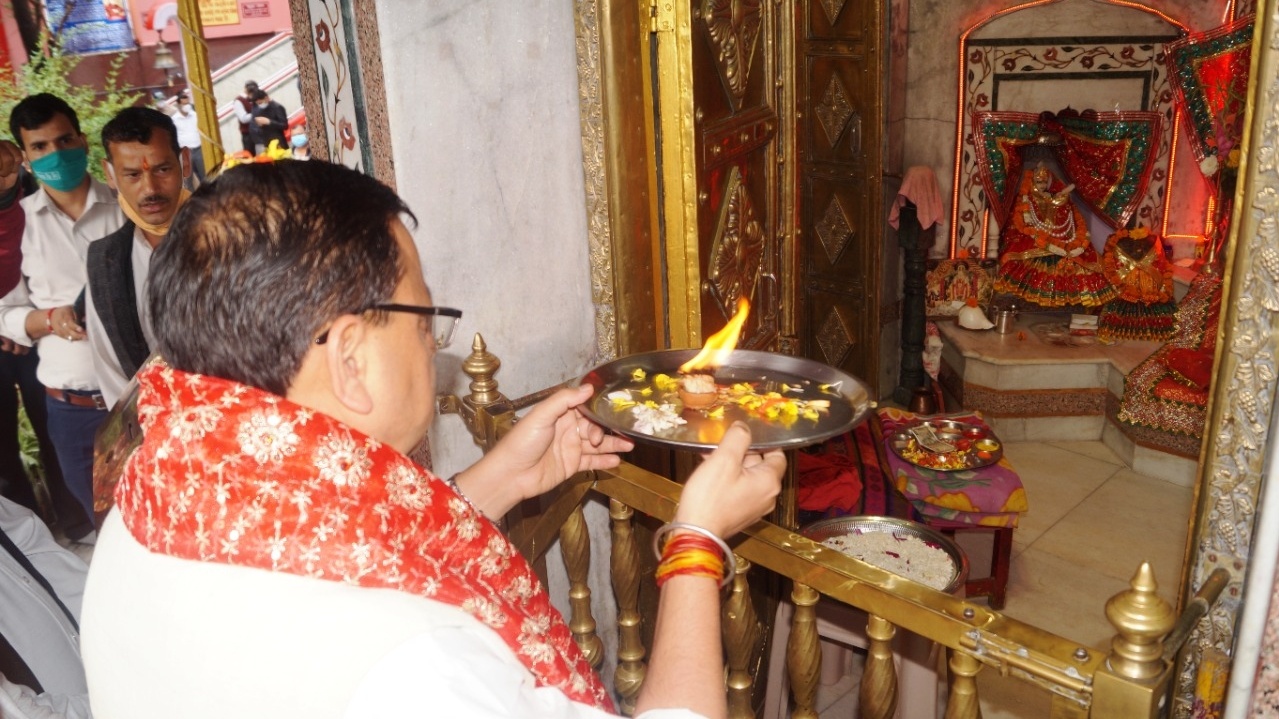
200, 79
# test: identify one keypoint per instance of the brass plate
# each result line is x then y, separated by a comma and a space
849, 399
949, 430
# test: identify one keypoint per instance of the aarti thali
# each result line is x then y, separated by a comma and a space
788, 402
946, 445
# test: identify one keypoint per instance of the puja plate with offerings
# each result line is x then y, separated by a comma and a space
946, 445
788, 402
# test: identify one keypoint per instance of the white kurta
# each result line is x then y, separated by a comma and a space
34, 623
166, 637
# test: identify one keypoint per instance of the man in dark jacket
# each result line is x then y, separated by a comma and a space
146, 166
269, 122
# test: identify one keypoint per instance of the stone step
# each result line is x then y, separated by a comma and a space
1038, 383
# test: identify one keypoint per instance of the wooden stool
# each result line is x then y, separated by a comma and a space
995, 585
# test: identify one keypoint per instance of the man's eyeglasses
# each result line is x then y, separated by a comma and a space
443, 321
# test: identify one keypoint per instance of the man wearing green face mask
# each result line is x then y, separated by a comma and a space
70, 211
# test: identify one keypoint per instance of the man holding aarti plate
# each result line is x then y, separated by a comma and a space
273, 553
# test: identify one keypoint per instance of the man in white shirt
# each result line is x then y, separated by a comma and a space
273, 553
146, 166
41, 587
188, 124
70, 211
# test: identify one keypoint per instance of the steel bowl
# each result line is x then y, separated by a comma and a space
824, 529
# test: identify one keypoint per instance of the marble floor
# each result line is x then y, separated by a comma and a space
1092, 521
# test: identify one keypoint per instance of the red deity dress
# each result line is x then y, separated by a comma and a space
1046, 257
1145, 308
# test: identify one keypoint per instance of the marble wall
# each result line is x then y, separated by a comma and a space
487, 153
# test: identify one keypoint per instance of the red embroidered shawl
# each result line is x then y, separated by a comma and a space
234, 475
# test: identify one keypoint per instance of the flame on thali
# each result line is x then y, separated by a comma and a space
719, 345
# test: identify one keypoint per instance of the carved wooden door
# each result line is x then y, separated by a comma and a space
721, 80
841, 110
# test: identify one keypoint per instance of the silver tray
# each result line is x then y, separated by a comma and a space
849, 399
901, 441
824, 529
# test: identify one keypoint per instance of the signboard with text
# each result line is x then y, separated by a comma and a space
219, 12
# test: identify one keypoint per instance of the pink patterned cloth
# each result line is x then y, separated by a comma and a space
988, 497
920, 187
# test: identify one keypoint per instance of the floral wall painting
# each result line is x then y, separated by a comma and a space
333, 37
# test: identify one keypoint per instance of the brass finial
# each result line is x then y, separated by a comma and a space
1141, 619
481, 366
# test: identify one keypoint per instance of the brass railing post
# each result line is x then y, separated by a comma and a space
879, 679
963, 702
803, 652
575, 545
1134, 681
484, 410
629, 676
741, 640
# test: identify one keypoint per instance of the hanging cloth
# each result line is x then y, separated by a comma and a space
998, 139
1108, 156
1209, 74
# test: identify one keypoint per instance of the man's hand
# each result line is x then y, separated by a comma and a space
732, 488
545, 447
262, 120
10, 161
62, 322
8, 345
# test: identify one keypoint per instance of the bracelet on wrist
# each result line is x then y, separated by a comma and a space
685, 552
452, 483
48, 320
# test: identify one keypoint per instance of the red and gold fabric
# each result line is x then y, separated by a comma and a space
1108, 156
1156, 392
229, 474
998, 139
1134, 262
1209, 73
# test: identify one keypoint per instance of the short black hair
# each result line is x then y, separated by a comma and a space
258, 95
135, 124
258, 261
36, 110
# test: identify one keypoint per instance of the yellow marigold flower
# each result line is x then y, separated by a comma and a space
1139, 233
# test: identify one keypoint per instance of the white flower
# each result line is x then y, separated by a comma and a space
193, 423
651, 420
267, 437
1208, 166
408, 488
343, 461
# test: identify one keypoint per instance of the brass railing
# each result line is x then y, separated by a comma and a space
1130, 681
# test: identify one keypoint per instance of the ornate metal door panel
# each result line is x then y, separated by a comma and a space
840, 109
723, 240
